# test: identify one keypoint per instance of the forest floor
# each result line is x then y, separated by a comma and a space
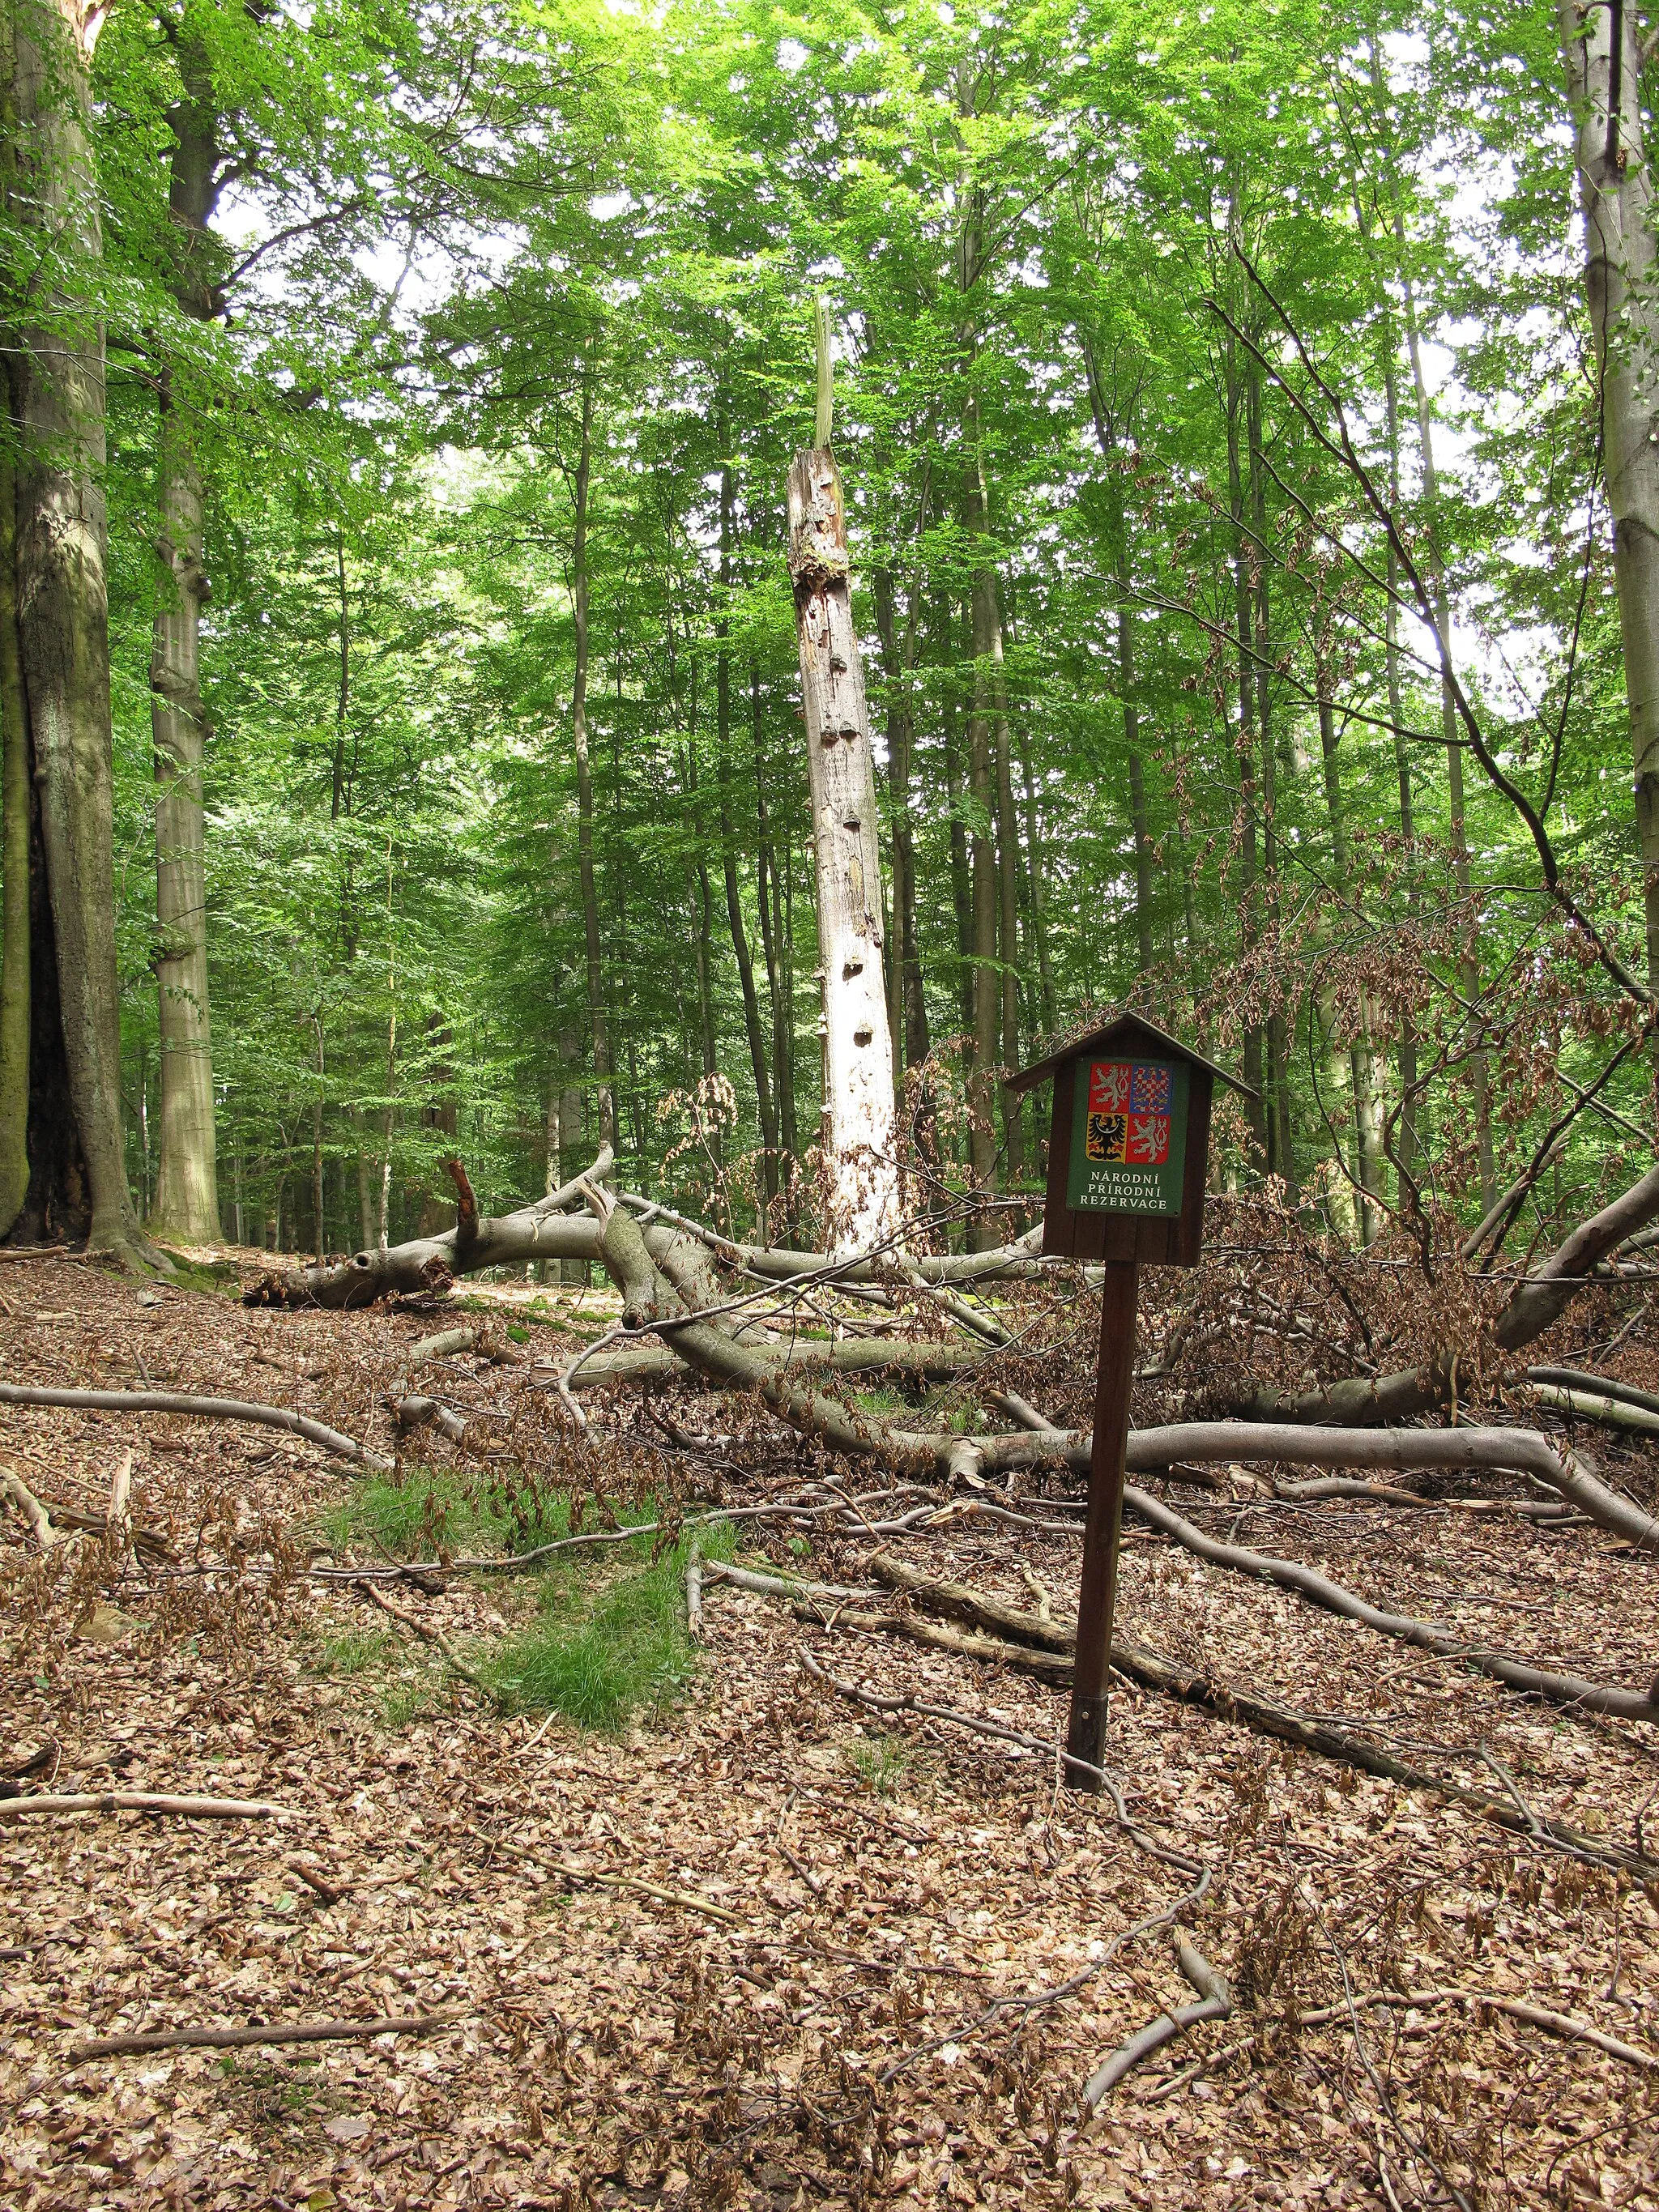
838, 1897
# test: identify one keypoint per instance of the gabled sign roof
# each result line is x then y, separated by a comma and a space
1125, 1029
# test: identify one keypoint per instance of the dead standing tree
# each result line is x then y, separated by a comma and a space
858, 1057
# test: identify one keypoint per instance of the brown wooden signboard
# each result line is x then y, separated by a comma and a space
1128, 1156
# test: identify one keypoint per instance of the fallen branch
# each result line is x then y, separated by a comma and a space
1604, 1386
435, 1636
1319, 1589
1251, 1709
1597, 1406
1554, 2023
206, 1409
14, 1488
1215, 2002
1520, 1451
141, 1801
851, 1355
237, 2039
545, 1231
776, 1585
1536, 1302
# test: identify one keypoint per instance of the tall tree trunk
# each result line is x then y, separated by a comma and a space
858, 1117
1281, 1148
1469, 970
1601, 53
981, 1136
1407, 1147
63, 601
604, 1068
734, 914
898, 666
1039, 892
1362, 1059
1106, 436
704, 949
365, 1185
779, 983
15, 855
1249, 914
187, 1188
962, 895
996, 837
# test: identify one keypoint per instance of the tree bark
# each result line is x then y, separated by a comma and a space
63, 598
1258, 1107
780, 974
603, 1065
187, 1191
898, 667
858, 1133
1107, 437
14, 854
751, 1014
1362, 1058
1407, 1148
1601, 50
1281, 1148
962, 893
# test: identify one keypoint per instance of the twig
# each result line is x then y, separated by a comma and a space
908, 1701
694, 1591
207, 1409
1042, 1998
141, 1801
117, 1518
1531, 2015
40, 1521
628, 1881
1215, 2002
297, 2030
435, 1636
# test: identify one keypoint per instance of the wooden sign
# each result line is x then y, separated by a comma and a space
1128, 1155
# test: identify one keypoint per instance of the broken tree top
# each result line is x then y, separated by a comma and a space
1128, 1144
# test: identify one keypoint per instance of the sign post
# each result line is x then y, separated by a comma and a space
1129, 1153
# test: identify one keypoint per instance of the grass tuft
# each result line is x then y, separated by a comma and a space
352, 1652
879, 1761
600, 1656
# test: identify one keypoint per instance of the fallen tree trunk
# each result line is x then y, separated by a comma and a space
546, 1231
1518, 1451
851, 1355
1535, 1303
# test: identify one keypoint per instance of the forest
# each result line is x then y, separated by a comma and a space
627, 632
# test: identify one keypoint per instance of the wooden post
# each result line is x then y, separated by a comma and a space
1085, 1733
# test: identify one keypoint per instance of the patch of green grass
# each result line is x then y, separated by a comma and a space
598, 1654
879, 1761
436, 1508
352, 1652
401, 1702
